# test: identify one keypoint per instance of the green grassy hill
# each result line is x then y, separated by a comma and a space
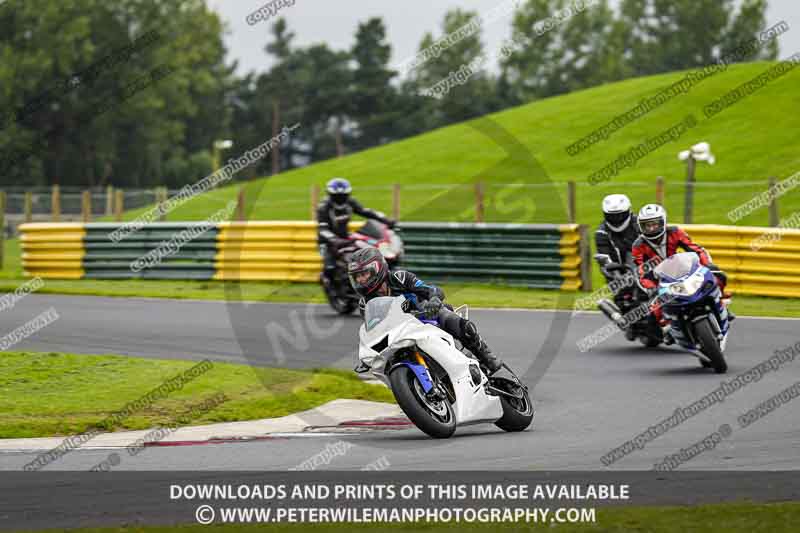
752, 140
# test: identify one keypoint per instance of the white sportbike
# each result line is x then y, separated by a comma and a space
435, 383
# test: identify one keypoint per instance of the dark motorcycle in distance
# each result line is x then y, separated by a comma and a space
339, 292
629, 297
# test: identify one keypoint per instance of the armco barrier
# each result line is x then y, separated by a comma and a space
553, 256
773, 270
75, 251
538, 256
545, 256
275, 250
53, 250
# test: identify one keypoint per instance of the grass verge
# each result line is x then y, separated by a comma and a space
728, 518
46, 394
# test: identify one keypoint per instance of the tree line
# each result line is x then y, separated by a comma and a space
80, 105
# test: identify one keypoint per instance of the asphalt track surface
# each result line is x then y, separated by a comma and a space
587, 403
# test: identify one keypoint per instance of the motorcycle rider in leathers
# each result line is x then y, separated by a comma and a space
370, 277
658, 242
615, 236
333, 217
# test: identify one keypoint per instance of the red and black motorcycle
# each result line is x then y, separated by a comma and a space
339, 292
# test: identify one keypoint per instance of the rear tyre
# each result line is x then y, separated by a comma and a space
436, 418
518, 413
710, 346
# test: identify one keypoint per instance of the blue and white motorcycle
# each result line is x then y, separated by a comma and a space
693, 302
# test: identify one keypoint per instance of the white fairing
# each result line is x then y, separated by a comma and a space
385, 316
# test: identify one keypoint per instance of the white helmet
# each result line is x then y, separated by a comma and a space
652, 222
617, 211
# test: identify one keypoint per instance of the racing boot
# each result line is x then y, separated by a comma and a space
665, 330
475, 344
665, 326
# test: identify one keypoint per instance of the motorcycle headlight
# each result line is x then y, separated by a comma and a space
678, 289
391, 249
387, 251
688, 286
397, 244
694, 283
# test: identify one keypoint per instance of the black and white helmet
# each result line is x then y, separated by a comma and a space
652, 222
617, 212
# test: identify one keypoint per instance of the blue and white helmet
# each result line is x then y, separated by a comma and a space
339, 190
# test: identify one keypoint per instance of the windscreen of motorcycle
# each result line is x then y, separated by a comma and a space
377, 309
678, 266
372, 228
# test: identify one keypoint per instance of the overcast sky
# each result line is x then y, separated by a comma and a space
334, 22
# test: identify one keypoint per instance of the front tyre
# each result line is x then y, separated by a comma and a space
709, 345
436, 418
649, 341
518, 412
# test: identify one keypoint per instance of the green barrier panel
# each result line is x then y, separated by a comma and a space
520, 254
183, 251
524, 280
133, 254
506, 251
200, 275
545, 265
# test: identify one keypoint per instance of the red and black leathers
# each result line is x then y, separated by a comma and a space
648, 255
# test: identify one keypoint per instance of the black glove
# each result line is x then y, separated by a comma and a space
432, 307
